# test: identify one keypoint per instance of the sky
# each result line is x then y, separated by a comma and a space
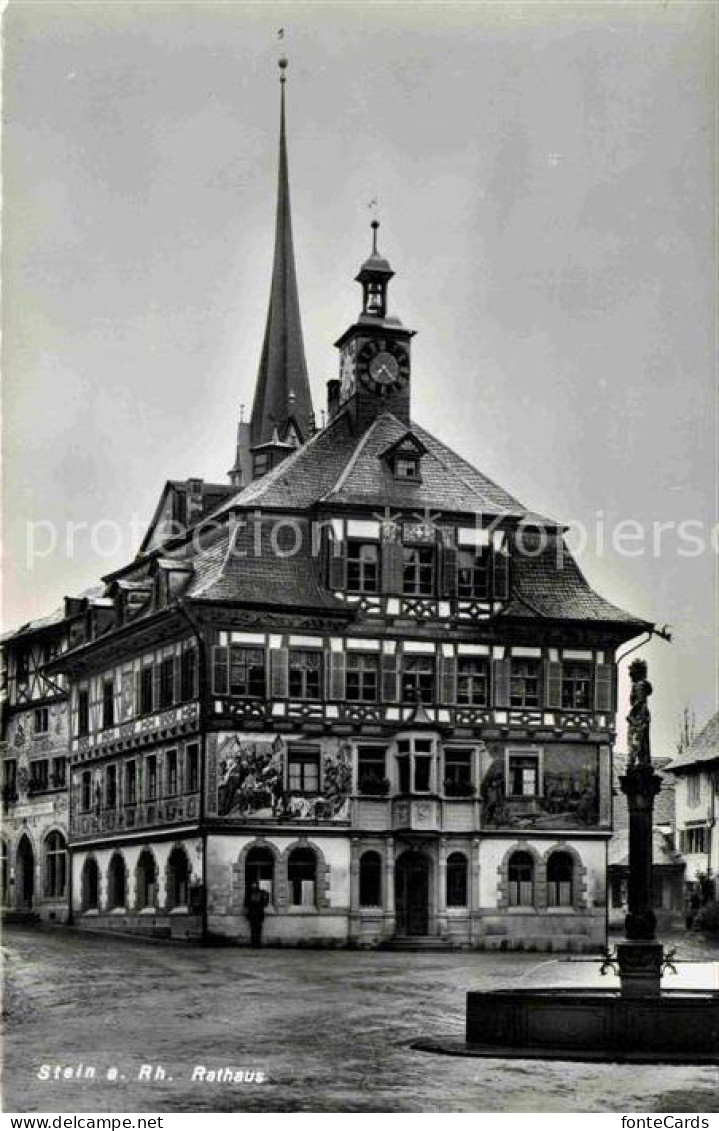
545, 183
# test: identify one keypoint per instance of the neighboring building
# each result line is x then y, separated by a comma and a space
697, 799
374, 682
668, 864
34, 748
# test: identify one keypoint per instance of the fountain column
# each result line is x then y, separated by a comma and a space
640, 956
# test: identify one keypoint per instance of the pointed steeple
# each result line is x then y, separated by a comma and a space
283, 402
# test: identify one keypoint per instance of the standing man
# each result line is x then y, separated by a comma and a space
255, 903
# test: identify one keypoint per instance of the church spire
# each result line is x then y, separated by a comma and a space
283, 402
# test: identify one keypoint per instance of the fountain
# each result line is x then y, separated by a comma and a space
639, 1021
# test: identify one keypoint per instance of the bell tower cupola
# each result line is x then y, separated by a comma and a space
374, 276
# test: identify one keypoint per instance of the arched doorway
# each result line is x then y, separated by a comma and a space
412, 894
25, 875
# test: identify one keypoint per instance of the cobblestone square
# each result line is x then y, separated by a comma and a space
329, 1031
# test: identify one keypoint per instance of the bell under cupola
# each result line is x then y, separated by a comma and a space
282, 416
374, 351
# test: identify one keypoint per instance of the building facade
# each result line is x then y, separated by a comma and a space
696, 771
362, 674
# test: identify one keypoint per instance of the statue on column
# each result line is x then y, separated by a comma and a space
639, 718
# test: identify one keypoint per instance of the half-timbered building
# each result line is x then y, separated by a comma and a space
363, 674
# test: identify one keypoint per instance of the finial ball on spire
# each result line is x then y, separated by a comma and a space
282, 64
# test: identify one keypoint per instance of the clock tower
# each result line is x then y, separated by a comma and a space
375, 350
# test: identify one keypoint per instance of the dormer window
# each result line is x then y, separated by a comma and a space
404, 458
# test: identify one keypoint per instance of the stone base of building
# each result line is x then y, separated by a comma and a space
172, 928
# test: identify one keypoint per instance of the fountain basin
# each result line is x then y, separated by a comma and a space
677, 1024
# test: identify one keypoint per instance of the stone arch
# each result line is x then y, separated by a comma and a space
90, 884
503, 877
25, 867
322, 874
579, 879
279, 882
146, 879
54, 863
177, 877
117, 881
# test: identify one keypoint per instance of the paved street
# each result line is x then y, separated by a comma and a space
328, 1029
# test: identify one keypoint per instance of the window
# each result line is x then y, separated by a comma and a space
167, 682
39, 775
418, 682
456, 880
576, 685
260, 869
303, 771
146, 675
59, 772
9, 779
22, 666
90, 885
457, 771
362, 567
55, 865
86, 791
372, 769
108, 704
170, 773
523, 776
130, 783
247, 672
146, 875
406, 467
696, 840
111, 787
192, 769
524, 688
694, 788
370, 880
361, 678
42, 720
178, 879
414, 763
473, 574
83, 713
188, 675
560, 880
305, 675
418, 571
261, 465
301, 877
521, 880
472, 681
151, 777
116, 883
50, 650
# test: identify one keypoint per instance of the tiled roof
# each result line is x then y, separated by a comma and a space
662, 851
664, 802
241, 567
704, 748
54, 618
547, 582
338, 465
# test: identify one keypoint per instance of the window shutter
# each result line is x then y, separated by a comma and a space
138, 691
552, 685
335, 675
603, 697
448, 585
156, 682
336, 563
220, 671
279, 673
501, 676
501, 575
390, 678
447, 679
391, 564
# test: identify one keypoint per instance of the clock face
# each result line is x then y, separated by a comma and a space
383, 366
